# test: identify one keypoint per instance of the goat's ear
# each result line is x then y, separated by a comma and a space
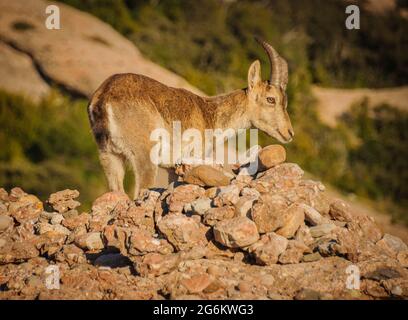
254, 74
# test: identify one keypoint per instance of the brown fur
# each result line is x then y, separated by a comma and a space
126, 108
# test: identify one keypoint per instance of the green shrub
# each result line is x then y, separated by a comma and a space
48, 147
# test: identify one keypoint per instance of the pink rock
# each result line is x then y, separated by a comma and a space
235, 233
182, 232
182, 195
294, 252
155, 264
141, 242
63, 201
303, 235
392, 245
402, 258
294, 218
286, 175
214, 215
205, 175
271, 156
227, 196
90, 241
340, 211
26, 208
268, 249
267, 213
3, 195
17, 252
196, 283
76, 221
109, 202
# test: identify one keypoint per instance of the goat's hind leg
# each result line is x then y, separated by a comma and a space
145, 175
114, 167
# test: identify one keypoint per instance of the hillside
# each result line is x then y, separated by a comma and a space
77, 58
266, 236
65, 66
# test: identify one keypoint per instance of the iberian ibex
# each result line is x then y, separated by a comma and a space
126, 108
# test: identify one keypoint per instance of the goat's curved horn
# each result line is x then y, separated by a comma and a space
279, 67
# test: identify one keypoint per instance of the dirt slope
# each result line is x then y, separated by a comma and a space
333, 102
78, 57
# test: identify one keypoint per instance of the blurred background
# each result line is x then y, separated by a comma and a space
348, 93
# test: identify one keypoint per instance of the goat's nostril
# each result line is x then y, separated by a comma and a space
291, 133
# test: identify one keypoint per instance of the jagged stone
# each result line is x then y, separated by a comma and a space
182, 195
56, 219
322, 230
313, 216
236, 232
243, 206
208, 176
3, 195
267, 212
303, 235
182, 232
42, 228
6, 223
402, 257
141, 242
312, 257
17, 252
76, 221
392, 245
71, 254
294, 252
293, 218
25, 208
90, 241
110, 203
340, 211
228, 196
214, 215
62, 201
268, 249
201, 206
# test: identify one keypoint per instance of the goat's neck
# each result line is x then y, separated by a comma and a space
230, 110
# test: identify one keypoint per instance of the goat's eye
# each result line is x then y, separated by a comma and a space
271, 100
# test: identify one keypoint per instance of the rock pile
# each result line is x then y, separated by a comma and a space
273, 235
